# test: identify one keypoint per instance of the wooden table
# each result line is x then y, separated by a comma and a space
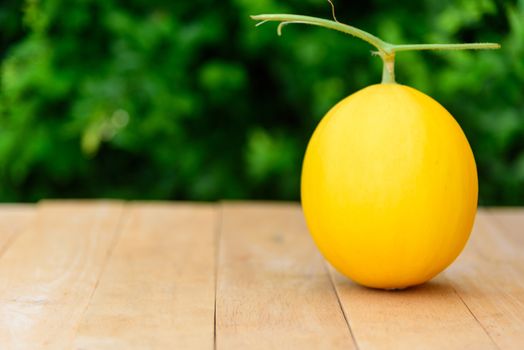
114, 275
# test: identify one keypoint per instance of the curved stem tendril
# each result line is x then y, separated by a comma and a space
320, 22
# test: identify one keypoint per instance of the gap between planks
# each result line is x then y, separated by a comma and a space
220, 211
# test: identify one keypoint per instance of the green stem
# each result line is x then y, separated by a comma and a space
468, 46
344, 28
385, 50
388, 69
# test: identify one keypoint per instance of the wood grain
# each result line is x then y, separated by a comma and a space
510, 222
273, 291
489, 277
431, 316
49, 273
158, 290
14, 218
106, 275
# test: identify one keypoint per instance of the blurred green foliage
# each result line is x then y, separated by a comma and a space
188, 100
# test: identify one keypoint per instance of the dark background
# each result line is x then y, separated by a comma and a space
188, 100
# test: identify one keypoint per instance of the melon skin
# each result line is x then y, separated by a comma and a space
389, 187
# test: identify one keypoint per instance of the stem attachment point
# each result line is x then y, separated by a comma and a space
388, 70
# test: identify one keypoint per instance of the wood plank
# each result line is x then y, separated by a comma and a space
489, 277
511, 224
14, 218
158, 289
273, 291
49, 273
431, 316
